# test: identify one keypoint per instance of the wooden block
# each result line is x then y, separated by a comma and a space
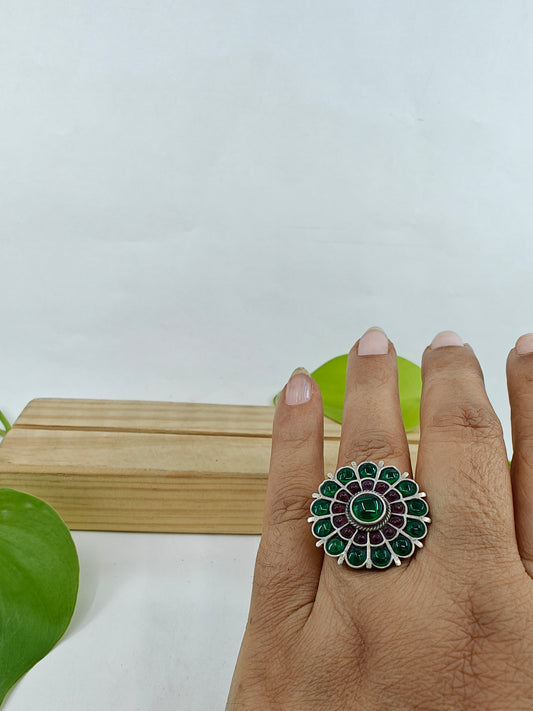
126, 465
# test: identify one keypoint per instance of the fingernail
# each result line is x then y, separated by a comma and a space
446, 338
298, 388
524, 344
373, 342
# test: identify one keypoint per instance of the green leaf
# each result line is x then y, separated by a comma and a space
6, 424
331, 379
39, 574
410, 386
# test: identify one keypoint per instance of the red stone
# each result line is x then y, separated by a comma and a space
367, 484
375, 538
392, 495
338, 508
397, 508
381, 487
360, 537
347, 532
343, 496
339, 521
354, 487
396, 521
389, 532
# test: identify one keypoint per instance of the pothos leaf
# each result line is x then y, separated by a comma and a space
331, 379
39, 573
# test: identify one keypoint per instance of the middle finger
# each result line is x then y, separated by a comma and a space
372, 435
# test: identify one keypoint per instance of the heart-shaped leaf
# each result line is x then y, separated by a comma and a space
331, 379
39, 574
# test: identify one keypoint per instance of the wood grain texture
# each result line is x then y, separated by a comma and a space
123, 465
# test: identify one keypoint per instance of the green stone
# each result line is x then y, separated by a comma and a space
417, 507
367, 469
323, 527
381, 557
320, 507
329, 488
335, 545
345, 475
367, 507
402, 546
356, 556
407, 487
390, 475
415, 528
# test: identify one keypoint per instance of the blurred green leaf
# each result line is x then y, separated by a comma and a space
410, 387
39, 573
331, 379
6, 424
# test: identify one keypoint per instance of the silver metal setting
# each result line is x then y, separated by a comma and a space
377, 544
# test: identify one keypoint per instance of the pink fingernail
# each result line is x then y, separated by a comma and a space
373, 342
524, 344
298, 389
446, 338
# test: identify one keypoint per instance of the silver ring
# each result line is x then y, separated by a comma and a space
369, 515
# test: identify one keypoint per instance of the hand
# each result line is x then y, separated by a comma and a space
452, 627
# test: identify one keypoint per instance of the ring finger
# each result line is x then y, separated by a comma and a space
373, 432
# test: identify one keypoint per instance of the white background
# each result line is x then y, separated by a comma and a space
196, 198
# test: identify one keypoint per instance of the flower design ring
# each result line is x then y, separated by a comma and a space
369, 515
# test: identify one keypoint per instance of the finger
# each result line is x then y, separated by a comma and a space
372, 425
462, 462
372, 433
288, 562
520, 388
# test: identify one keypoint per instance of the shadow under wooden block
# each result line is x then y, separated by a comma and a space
128, 465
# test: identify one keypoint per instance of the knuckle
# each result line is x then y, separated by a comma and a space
294, 465
289, 506
467, 419
374, 446
295, 427
379, 378
296, 437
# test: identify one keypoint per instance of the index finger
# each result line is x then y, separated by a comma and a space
288, 562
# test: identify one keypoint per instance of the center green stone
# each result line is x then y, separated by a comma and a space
367, 508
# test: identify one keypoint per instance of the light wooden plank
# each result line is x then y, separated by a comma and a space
133, 465
159, 417
154, 416
166, 502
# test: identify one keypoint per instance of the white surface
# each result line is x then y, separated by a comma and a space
157, 627
195, 198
